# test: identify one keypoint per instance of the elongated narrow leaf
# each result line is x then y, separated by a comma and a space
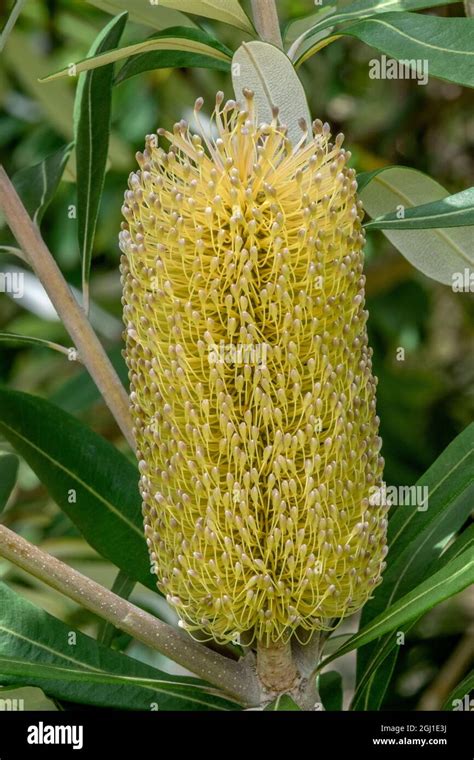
446, 43
453, 578
37, 184
297, 30
8, 475
306, 45
454, 211
165, 59
283, 703
228, 11
154, 15
371, 692
15, 339
95, 485
11, 21
461, 697
380, 656
267, 71
168, 59
440, 502
36, 649
439, 253
360, 9
330, 690
187, 40
300, 38
92, 114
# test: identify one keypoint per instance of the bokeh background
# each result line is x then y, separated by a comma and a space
423, 401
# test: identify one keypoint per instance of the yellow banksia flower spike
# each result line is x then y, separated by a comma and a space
251, 378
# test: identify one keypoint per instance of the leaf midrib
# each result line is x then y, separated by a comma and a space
75, 477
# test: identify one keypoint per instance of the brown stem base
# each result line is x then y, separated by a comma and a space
275, 667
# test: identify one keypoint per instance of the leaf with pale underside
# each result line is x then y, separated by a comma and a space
187, 40
438, 253
267, 71
228, 11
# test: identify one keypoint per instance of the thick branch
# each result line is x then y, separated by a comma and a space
91, 351
265, 16
236, 679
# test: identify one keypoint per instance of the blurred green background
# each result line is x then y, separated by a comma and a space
423, 401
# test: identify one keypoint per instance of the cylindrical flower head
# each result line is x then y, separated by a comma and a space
251, 378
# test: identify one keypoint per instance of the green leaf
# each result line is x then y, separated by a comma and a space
165, 59
370, 693
79, 392
282, 703
37, 184
417, 539
457, 698
438, 253
267, 71
15, 339
144, 12
179, 38
92, 115
453, 211
8, 475
36, 649
446, 43
11, 21
381, 656
297, 38
228, 11
364, 178
360, 9
417, 536
69, 457
450, 580
123, 587
330, 690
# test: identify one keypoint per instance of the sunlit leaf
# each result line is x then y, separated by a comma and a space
92, 114
438, 253
267, 71
90, 480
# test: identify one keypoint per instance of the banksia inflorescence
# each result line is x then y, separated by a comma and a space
251, 378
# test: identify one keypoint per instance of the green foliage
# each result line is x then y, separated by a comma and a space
283, 703
38, 650
92, 114
36, 185
434, 251
330, 689
410, 36
165, 59
360, 9
89, 479
178, 39
424, 401
453, 211
454, 577
8, 475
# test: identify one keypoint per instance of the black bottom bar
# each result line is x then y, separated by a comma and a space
149, 735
